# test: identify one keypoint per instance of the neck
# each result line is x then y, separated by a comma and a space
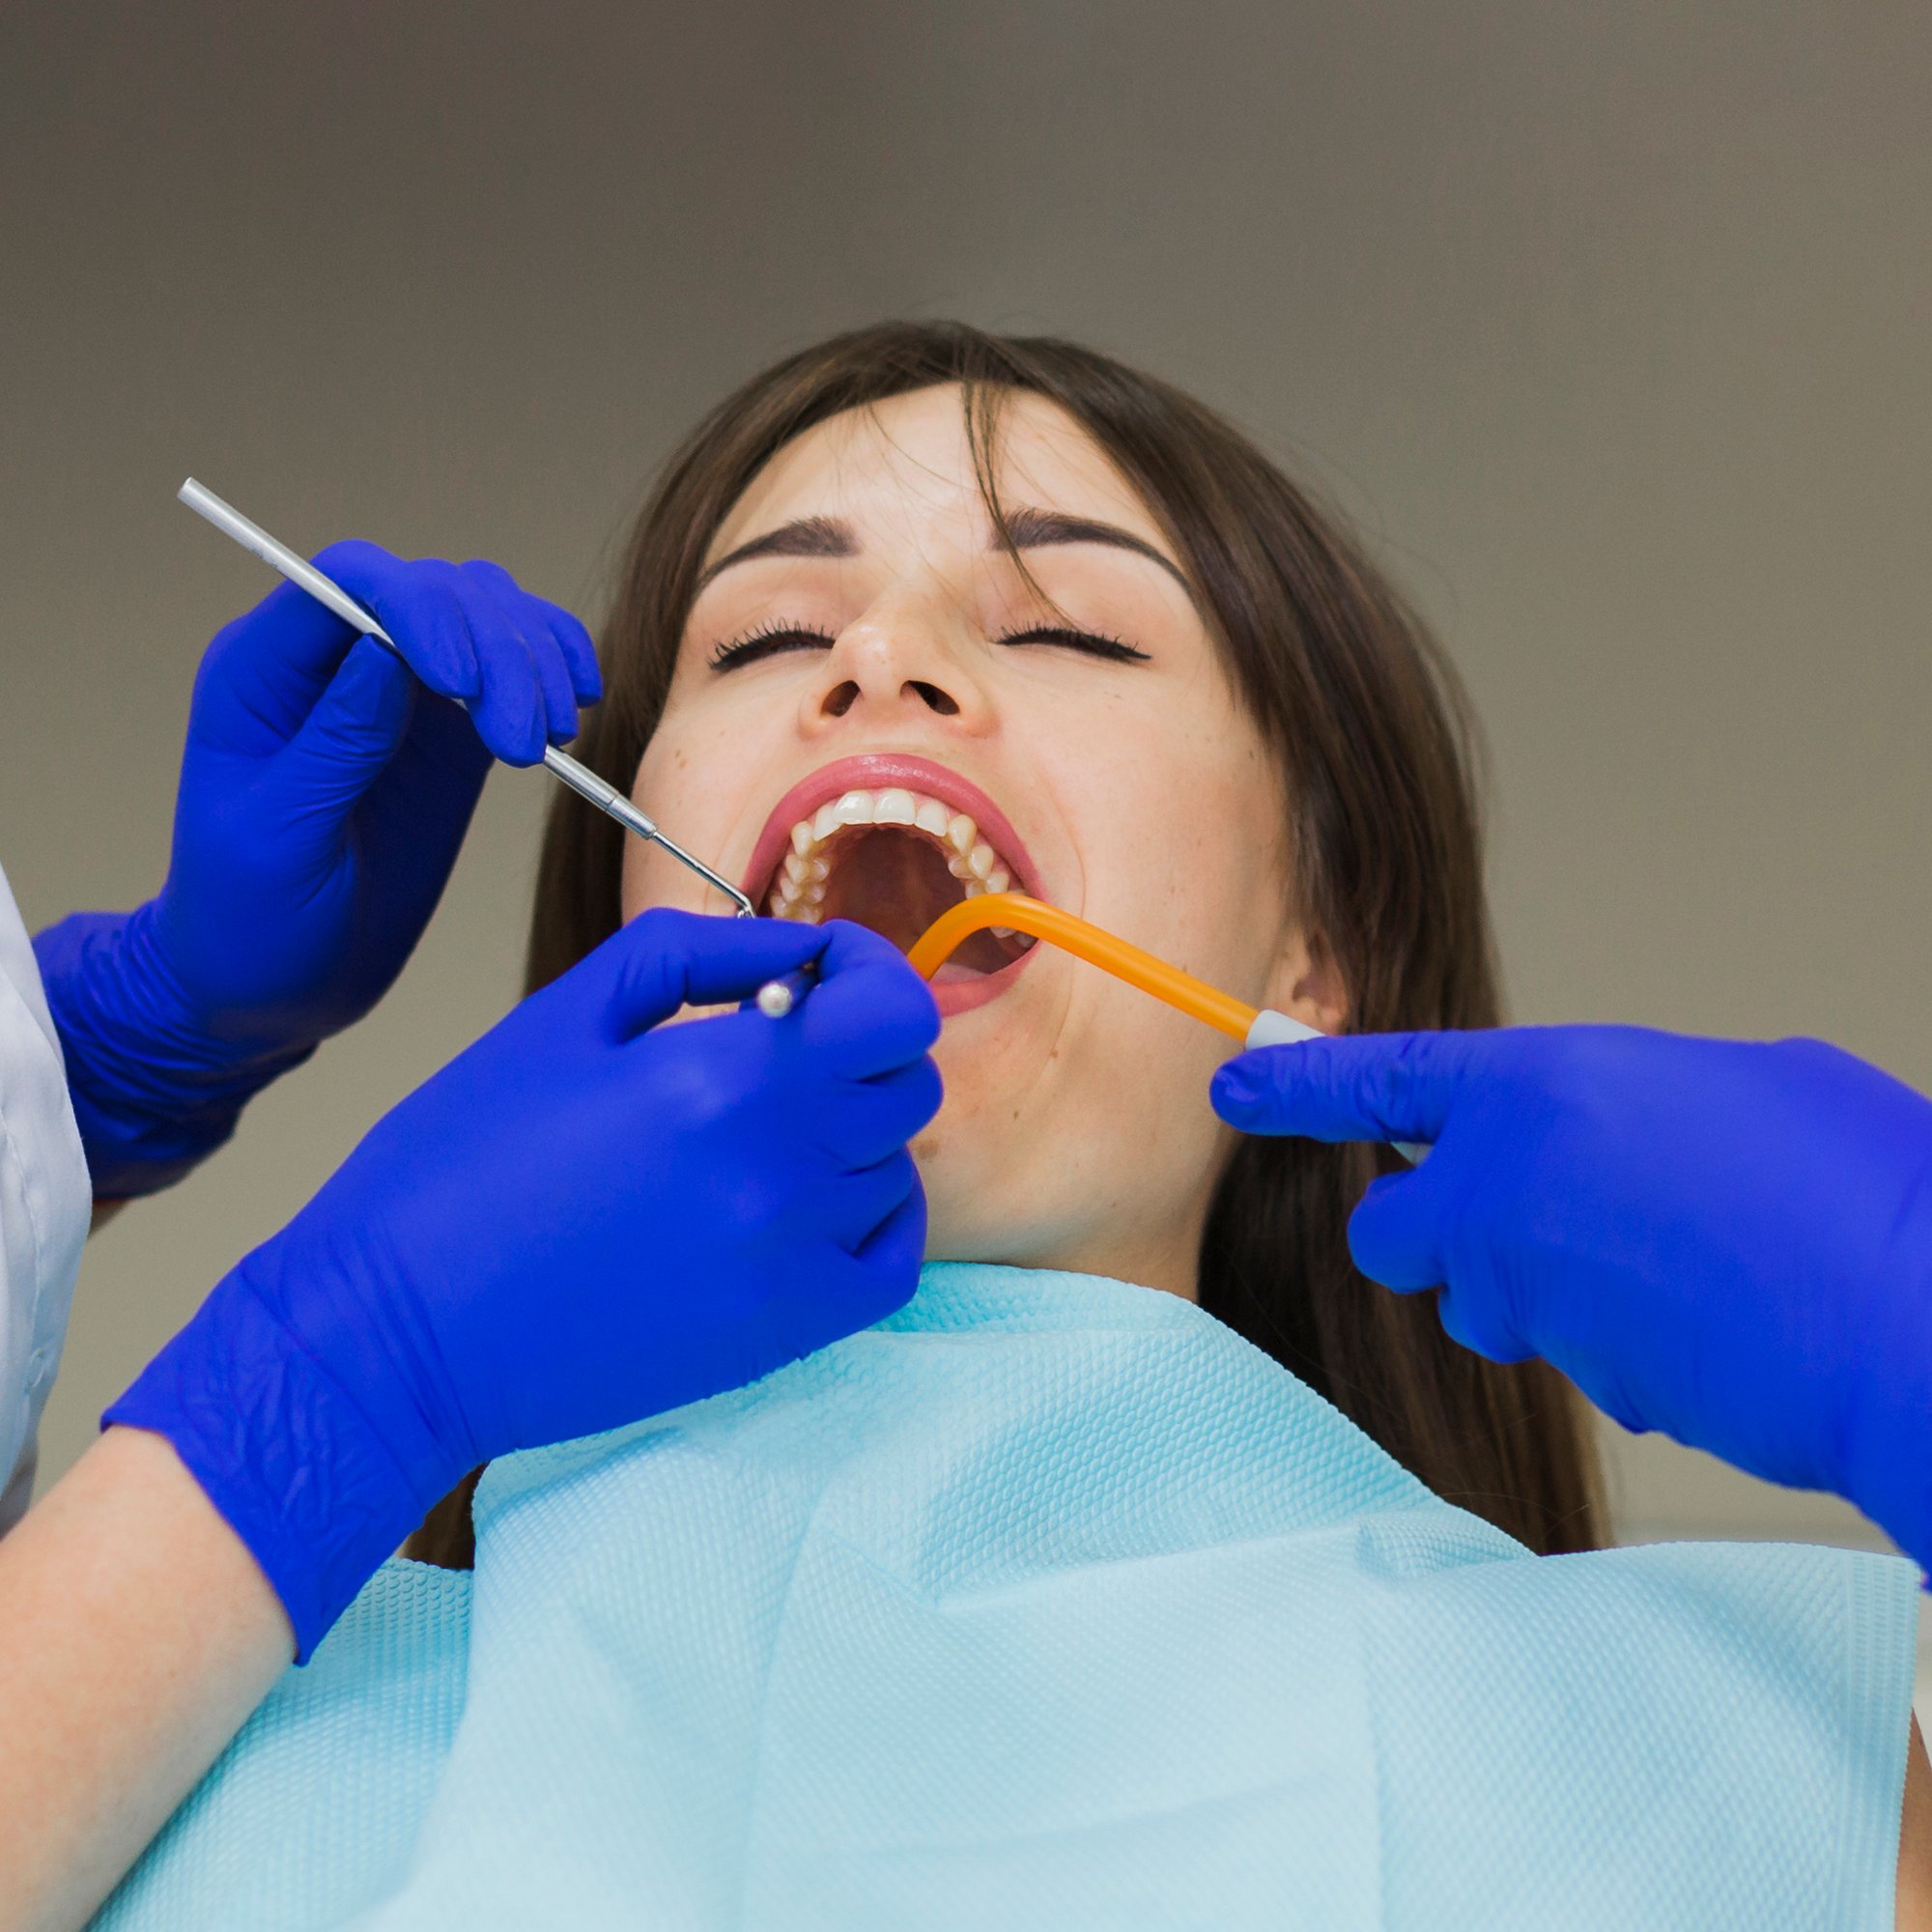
1168, 1259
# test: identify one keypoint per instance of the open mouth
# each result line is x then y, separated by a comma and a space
890, 842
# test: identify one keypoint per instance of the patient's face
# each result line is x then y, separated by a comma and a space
874, 714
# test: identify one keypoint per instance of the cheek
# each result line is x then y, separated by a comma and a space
1188, 860
664, 788
1229, 860
634, 886
1180, 823
694, 779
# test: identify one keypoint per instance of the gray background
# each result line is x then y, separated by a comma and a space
1610, 323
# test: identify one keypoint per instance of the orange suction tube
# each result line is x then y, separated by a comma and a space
1194, 997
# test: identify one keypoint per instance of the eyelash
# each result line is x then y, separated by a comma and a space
770, 640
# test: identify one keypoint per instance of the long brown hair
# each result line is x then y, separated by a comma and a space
1375, 737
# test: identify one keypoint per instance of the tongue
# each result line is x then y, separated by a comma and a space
897, 883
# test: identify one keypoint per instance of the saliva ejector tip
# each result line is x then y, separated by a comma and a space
1085, 941
1247, 1024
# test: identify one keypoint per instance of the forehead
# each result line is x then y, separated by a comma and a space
905, 467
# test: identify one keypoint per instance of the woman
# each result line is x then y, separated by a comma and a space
913, 610
1356, 894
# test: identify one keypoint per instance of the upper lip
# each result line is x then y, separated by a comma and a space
875, 771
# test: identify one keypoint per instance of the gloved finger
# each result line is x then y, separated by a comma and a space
501, 611
539, 615
511, 715
347, 740
1394, 1233
666, 960
262, 675
579, 653
852, 1208
1361, 1087
1478, 1325
891, 1255
416, 605
869, 1012
850, 1292
860, 1123
420, 810
1396, 1237
1605, 1387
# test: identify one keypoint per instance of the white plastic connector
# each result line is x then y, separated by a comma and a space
1274, 1029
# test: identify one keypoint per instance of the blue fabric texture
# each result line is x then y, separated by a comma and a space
1049, 1602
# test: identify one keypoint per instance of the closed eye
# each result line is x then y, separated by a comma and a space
768, 641
774, 640
1117, 650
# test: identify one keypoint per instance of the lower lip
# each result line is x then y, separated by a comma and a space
961, 996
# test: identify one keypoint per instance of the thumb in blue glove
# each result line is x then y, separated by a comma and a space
585, 1219
1729, 1242
326, 789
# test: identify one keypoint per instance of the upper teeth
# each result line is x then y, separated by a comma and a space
798, 890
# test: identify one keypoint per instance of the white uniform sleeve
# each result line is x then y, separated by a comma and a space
46, 1200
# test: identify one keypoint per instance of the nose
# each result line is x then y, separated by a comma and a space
896, 664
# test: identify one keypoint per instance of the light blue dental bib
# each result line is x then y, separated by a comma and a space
1052, 1603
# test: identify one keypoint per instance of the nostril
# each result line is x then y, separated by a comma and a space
840, 700
935, 698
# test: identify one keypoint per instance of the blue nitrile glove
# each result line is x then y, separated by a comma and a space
323, 794
1728, 1242
578, 1223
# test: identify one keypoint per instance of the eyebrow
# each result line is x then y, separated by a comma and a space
1027, 528
807, 536
1036, 529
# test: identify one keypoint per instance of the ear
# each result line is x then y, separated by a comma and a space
1307, 984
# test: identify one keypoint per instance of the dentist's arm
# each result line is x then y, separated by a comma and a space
583, 1220
139, 1634
1731, 1243
324, 790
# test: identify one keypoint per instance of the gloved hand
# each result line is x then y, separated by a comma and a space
323, 794
578, 1223
1731, 1243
